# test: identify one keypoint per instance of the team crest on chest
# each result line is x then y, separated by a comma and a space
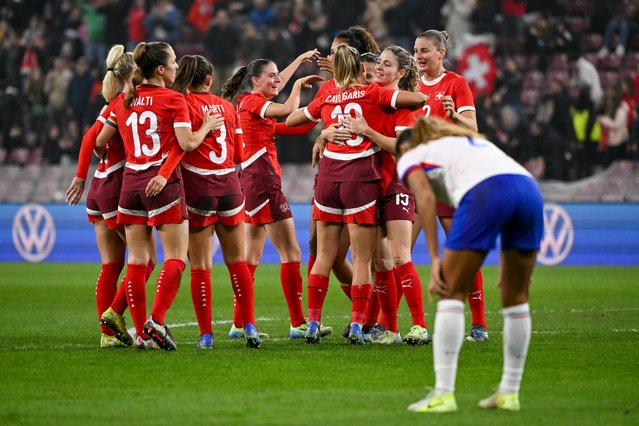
439, 96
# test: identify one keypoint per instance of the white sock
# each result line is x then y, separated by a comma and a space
517, 330
448, 336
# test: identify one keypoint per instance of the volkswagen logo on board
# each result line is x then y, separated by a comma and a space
33, 232
559, 235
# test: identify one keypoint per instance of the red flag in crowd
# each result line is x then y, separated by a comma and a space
477, 66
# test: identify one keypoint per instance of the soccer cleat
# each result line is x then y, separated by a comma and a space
477, 334
433, 403
206, 341
298, 332
346, 331
313, 333
252, 336
417, 335
107, 341
325, 331
143, 344
160, 334
115, 322
389, 338
374, 334
236, 332
355, 335
508, 402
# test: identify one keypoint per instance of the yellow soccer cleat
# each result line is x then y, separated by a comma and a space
433, 403
508, 402
110, 342
115, 322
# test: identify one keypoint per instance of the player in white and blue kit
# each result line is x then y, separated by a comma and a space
492, 195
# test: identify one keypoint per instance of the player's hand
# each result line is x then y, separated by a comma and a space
436, 285
356, 125
325, 64
336, 133
318, 150
155, 186
309, 56
75, 190
449, 106
213, 121
305, 82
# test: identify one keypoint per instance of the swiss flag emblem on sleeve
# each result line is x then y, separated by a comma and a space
477, 66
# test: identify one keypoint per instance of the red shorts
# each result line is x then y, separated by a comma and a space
135, 208
102, 199
397, 207
444, 210
213, 199
265, 201
346, 202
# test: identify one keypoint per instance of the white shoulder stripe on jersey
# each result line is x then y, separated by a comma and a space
263, 111
101, 175
257, 209
238, 131
309, 116
101, 119
146, 166
401, 128
349, 157
465, 108
394, 99
161, 210
344, 212
254, 157
178, 124
207, 172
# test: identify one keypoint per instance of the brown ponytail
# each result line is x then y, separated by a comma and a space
347, 67
192, 73
147, 56
242, 76
406, 62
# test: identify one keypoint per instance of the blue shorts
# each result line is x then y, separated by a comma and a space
510, 205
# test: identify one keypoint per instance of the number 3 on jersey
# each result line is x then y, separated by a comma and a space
132, 122
337, 113
219, 159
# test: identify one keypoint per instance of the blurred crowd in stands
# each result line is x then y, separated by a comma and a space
564, 100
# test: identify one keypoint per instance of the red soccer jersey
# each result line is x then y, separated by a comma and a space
400, 120
217, 152
448, 84
147, 126
257, 130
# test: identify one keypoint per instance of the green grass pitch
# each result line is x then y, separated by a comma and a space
582, 369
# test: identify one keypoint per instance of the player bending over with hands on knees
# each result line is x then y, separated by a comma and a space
492, 195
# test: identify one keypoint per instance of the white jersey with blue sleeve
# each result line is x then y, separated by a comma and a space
456, 164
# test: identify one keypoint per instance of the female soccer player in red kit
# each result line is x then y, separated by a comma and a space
214, 200
348, 184
155, 126
449, 97
102, 204
268, 210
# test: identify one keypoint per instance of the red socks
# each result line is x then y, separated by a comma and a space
412, 287
476, 300
106, 288
136, 295
387, 296
201, 297
361, 294
167, 288
119, 302
398, 286
317, 288
346, 288
372, 311
244, 296
292, 287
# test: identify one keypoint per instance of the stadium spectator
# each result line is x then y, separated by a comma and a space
136, 29
214, 200
262, 15
619, 22
614, 121
449, 97
348, 185
79, 90
55, 87
586, 134
155, 128
494, 196
163, 22
96, 48
222, 34
268, 211
586, 74
457, 14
